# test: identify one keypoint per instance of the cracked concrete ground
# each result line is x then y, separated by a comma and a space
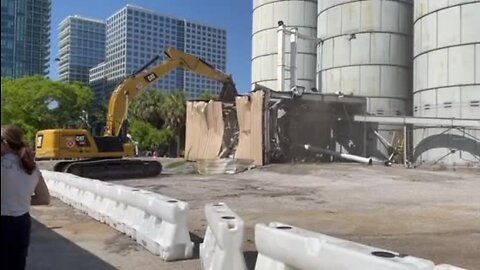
429, 214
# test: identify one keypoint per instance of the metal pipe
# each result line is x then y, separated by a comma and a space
281, 57
293, 59
368, 161
383, 140
282, 30
355, 158
302, 36
319, 67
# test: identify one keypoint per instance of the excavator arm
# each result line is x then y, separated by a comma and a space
134, 85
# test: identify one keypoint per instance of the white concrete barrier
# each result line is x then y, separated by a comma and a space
157, 222
447, 267
223, 242
284, 247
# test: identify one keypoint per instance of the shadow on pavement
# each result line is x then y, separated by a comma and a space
50, 250
197, 240
250, 259
250, 256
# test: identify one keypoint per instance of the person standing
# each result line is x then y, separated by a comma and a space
22, 186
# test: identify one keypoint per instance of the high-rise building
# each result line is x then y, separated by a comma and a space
135, 35
98, 81
209, 44
81, 47
25, 37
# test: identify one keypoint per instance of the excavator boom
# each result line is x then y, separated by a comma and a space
131, 87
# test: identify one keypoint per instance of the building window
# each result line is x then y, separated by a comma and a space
475, 103
447, 104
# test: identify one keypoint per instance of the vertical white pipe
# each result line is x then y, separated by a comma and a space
281, 58
319, 66
293, 58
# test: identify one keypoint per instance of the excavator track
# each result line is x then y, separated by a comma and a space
111, 169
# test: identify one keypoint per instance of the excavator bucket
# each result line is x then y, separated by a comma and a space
229, 92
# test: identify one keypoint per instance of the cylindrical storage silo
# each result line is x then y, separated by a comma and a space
367, 51
299, 14
447, 79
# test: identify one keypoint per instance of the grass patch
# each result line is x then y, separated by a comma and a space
176, 164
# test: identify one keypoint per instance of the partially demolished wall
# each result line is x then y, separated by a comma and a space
204, 131
249, 115
224, 130
268, 126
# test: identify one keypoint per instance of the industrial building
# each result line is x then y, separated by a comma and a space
134, 35
81, 47
25, 37
415, 62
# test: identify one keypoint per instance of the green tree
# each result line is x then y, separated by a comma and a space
207, 95
154, 113
174, 112
97, 117
36, 103
148, 108
149, 137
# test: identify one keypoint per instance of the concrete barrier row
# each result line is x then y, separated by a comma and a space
159, 223
285, 247
282, 246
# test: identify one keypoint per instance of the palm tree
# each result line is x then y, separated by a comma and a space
148, 108
174, 112
207, 95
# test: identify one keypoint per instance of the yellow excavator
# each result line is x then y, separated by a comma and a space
106, 157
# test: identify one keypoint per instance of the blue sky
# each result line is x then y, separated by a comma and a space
233, 15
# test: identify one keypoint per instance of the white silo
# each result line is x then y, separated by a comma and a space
367, 51
300, 14
447, 78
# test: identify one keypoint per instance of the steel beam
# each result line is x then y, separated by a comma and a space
419, 121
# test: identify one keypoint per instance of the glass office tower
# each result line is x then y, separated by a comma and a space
134, 35
81, 47
25, 37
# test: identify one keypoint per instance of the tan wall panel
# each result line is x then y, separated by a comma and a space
250, 114
204, 130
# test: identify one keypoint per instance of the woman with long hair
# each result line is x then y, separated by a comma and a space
22, 186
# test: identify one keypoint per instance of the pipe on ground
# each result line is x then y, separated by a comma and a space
350, 157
